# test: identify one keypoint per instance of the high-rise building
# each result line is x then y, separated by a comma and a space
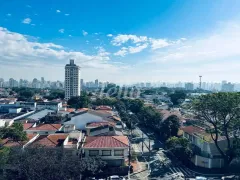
96, 83
189, 86
227, 87
72, 80
82, 83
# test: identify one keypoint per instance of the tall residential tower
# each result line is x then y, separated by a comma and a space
72, 80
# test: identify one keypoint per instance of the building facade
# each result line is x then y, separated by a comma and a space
72, 80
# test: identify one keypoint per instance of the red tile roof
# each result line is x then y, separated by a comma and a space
27, 125
98, 124
46, 127
106, 142
192, 129
52, 140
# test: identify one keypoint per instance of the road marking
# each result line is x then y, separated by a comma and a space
171, 170
184, 171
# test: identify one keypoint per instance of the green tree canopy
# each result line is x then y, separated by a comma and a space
180, 147
43, 163
177, 96
222, 112
79, 101
15, 132
169, 127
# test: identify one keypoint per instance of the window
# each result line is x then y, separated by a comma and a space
93, 152
118, 152
106, 152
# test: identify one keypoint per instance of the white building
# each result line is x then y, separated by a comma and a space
207, 154
112, 149
72, 80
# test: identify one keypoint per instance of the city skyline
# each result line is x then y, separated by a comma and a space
162, 44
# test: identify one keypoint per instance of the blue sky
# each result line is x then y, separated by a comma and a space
121, 41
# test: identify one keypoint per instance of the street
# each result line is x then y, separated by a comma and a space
160, 166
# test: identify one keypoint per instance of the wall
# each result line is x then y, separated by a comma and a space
40, 132
208, 162
15, 110
125, 155
2, 122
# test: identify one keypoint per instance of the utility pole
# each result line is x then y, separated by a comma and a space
149, 148
142, 142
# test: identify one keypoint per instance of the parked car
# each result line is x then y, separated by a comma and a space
116, 177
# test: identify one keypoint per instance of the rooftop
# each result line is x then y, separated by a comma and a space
98, 124
27, 125
46, 127
52, 140
106, 142
11, 115
10, 143
40, 114
200, 132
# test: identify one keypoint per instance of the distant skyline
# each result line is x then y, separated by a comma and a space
123, 42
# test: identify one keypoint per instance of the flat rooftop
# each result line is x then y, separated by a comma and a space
40, 114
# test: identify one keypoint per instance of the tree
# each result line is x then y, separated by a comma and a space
40, 163
4, 155
79, 101
221, 111
180, 147
26, 93
15, 132
234, 166
170, 127
156, 101
177, 96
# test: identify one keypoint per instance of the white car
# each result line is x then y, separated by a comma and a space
201, 178
116, 177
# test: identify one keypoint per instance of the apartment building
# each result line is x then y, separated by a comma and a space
207, 154
72, 80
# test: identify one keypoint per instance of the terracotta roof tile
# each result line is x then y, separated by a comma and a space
47, 127
52, 140
98, 124
106, 141
27, 125
192, 129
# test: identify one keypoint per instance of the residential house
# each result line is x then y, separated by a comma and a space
43, 129
50, 141
112, 149
73, 141
102, 129
208, 155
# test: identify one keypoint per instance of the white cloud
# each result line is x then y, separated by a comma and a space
221, 44
24, 57
8, 14
26, 21
122, 52
33, 24
66, 14
109, 35
159, 43
137, 49
58, 11
131, 50
84, 32
123, 38
61, 30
